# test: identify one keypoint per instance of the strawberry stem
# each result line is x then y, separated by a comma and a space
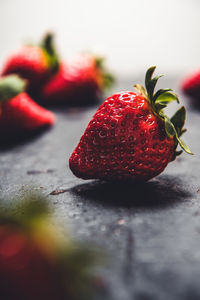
11, 86
107, 78
48, 47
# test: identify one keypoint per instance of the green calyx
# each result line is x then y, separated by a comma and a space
10, 87
159, 101
47, 45
107, 78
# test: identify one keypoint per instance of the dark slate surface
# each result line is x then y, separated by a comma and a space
151, 232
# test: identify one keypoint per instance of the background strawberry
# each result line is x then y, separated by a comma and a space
130, 137
36, 260
191, 85
18, 112
34, 63
25, 272
79, 81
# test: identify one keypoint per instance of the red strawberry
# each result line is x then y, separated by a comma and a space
130, 137
78, 81
34, 63
36, 260
191, 85
25, 271
18, 112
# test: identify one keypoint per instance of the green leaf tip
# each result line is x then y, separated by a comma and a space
178, 119
11, 86
149, 75
162, 95
99, 61
159, 101
107, 78
175, 129
141, 90
48, 47
184, 146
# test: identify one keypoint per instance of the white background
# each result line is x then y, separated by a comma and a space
132, 34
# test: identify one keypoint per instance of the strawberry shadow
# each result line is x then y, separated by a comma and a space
9, 141
77, 101
164, 191
72, 112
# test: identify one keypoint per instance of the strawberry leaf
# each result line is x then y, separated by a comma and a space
149, 75
158, 102
169, 127
176, 153
11, 86
167, 97
183, 131
99, 61
141, 90
49, 49
107, 78
160, 106
160, 92
171, 132
184, 146
151, 86
163, 100
178, 120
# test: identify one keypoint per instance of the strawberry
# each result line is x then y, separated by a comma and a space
25, 272
130, 137
191, 85
34, 63
18, 112
36, 260
78, 81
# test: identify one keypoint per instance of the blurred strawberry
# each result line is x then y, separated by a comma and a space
36, 261
191, 84
34, 63
79, 81
25, 272
18, 112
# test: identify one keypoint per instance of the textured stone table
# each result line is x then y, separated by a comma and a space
152, 231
